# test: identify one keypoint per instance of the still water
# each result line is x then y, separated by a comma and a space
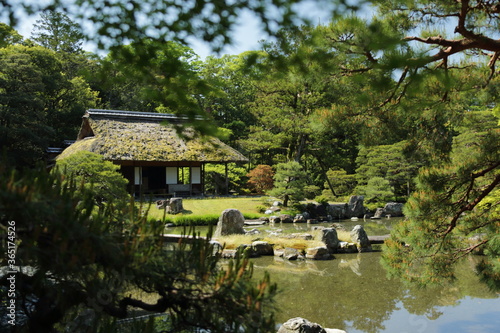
353, 293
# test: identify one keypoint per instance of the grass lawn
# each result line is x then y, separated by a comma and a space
246, 205
199, 212
208, 209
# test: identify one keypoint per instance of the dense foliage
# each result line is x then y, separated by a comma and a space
289, 181
396, 107
464, 220
260, 178
95, 175
83, 268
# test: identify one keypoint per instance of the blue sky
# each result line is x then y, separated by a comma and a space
246, 35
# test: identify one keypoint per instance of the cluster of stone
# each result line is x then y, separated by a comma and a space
354, 208
171, 206
232, 222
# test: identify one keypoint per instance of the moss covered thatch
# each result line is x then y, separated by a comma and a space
135, 138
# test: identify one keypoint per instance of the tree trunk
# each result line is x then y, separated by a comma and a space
299, 152
325, 174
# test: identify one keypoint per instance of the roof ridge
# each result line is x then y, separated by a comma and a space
124, 114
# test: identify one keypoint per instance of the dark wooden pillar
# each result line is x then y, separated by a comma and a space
227, 178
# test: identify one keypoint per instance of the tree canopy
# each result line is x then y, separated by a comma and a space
57, 32
364, 100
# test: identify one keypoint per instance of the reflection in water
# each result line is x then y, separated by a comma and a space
372, 227
353, 264
353, 293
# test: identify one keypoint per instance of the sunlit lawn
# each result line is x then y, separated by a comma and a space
249, 206
246, 205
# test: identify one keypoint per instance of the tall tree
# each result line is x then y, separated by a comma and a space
390, 163
475, 26
24, 131
454, 212
118, 23
156, 85
232, 89
57, 32
39, 105
289, 182
9, 36
289, 93
447, 208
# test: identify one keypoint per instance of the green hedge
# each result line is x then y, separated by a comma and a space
194, 220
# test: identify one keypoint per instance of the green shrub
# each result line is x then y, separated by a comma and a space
378, 190
289, 182
101, 177
260, 179
261, 209
311, 191
322, 200
201, 220
191, 220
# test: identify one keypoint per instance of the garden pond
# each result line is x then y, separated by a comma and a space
353, 293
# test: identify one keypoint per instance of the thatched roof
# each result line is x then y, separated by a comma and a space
143, 136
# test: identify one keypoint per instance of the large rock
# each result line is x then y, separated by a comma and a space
289, 253
360, 238
338, 211
285, 218
322, 212
263, 248
330, 238
171, 206
174, 206
300, 325
355, 206
378, 213
393, 209
230, 222
318, 253
299, 219
274, 219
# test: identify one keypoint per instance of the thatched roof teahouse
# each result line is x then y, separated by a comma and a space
151, 154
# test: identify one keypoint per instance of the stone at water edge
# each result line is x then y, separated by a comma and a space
378, 213
360, 238
231, 222
263, 248
301, 325
285, 218
355, 206
318, 253
330, 238
289, 254
393, 209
